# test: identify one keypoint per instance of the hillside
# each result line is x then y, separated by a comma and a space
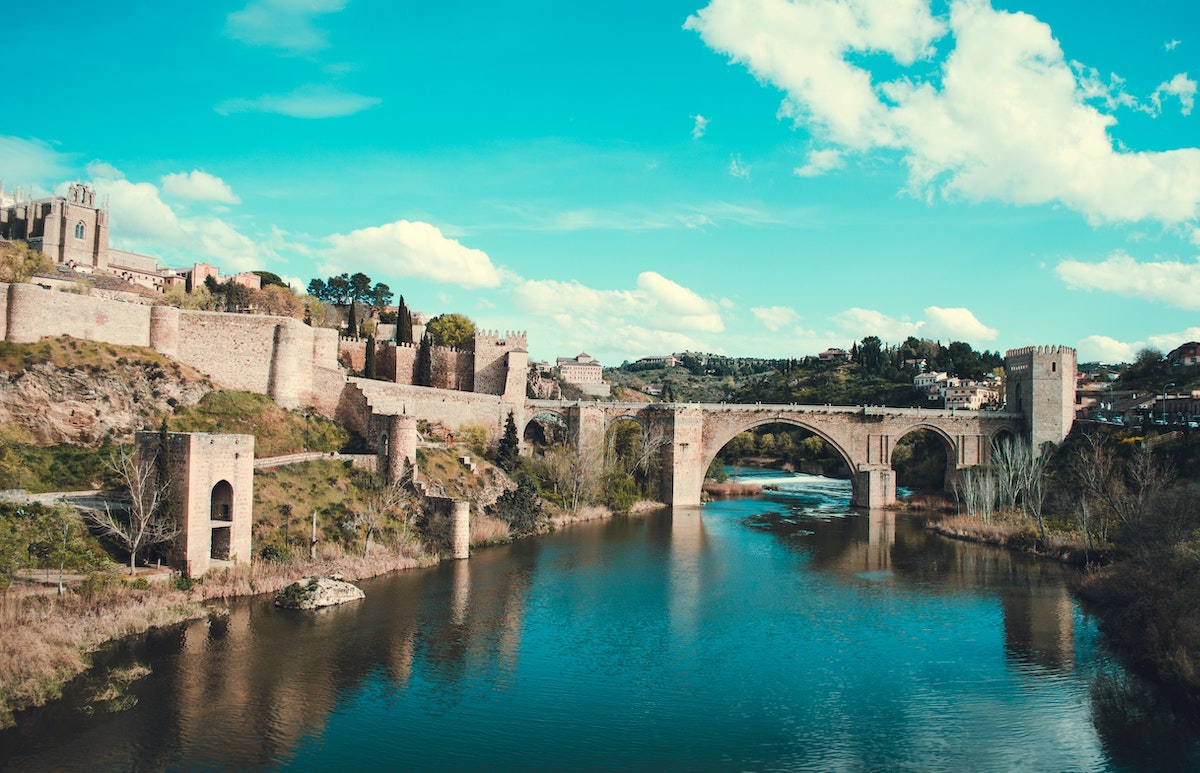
64, 390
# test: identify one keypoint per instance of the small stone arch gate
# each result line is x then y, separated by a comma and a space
210, 495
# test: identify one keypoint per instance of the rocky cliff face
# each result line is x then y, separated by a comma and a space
87, 405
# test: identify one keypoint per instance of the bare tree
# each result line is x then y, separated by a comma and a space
1010, 463
382, 499
145, 523
977, 490
1035, 486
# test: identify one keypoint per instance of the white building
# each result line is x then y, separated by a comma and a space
584, 372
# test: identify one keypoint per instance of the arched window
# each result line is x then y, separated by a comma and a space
1054, 367
79, 230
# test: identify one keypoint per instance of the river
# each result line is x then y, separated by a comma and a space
781, 632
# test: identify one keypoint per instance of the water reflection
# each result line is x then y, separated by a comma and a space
776, 633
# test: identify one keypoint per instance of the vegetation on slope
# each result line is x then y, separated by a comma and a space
276, 431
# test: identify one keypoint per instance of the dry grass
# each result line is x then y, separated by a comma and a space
486, 530
49, 639
729, 489
75, 353
271, 577
926, 503
1016, 532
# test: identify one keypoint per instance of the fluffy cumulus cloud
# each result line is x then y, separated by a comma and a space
957, 324
141, 221
413, 249
304, 102
953, 324
199, 186
775, 318
1171, 282
1005, 118
657, 315
699, 127
288, 25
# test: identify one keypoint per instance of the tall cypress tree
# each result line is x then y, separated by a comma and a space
425, 363
369, 365
510, 445
404, 333
353, 324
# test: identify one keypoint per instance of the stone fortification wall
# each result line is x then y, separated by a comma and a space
491, 360
32, 313
352, 353
277, 356
451, 369
452, 407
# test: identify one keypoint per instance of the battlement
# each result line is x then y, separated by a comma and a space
512, 339
1027, 350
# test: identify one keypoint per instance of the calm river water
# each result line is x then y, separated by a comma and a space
775, 633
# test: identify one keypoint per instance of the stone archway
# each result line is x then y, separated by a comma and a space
950, 452
713, 446
221, 521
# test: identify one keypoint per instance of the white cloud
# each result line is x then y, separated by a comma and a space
955, 324
304, 102
1171, 45
142, 222
858, 322
1171, 282
23, 162
1180, 86
801, 47
1005, 118
657, 315
414, 249
1100, 348
944, 324
820, 162
283, 24
199, 186
699, 127
738, 168
775, 318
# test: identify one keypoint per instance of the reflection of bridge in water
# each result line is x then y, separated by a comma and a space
691, 435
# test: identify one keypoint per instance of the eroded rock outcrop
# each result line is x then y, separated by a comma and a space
87, 405
316, 592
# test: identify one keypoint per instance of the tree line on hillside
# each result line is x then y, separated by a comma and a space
876, 374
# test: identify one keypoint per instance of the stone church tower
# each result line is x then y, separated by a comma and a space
70, 229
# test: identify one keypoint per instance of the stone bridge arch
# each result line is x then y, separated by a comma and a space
721, 437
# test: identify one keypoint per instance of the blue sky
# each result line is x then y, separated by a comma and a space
751, 177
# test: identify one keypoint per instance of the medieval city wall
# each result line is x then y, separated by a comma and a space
270, 355
491, 360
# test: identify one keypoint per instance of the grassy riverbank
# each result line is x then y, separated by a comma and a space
1015, 531
50, 640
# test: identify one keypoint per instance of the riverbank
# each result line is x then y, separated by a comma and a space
50, 639
1014, 531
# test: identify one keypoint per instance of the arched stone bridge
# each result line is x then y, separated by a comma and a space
691, 435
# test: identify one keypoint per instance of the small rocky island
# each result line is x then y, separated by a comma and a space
316, 592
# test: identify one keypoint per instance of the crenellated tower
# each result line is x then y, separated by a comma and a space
1041, 385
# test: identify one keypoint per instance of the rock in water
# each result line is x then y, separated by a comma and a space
314, 592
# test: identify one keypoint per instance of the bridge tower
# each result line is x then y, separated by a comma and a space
1041, 386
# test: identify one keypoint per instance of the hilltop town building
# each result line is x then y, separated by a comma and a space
73, 231
584, 372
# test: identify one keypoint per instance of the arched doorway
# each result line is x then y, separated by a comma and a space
221, 520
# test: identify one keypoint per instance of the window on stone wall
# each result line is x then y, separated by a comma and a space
79, 230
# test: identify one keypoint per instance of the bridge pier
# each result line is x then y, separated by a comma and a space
874, 487
683, 456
